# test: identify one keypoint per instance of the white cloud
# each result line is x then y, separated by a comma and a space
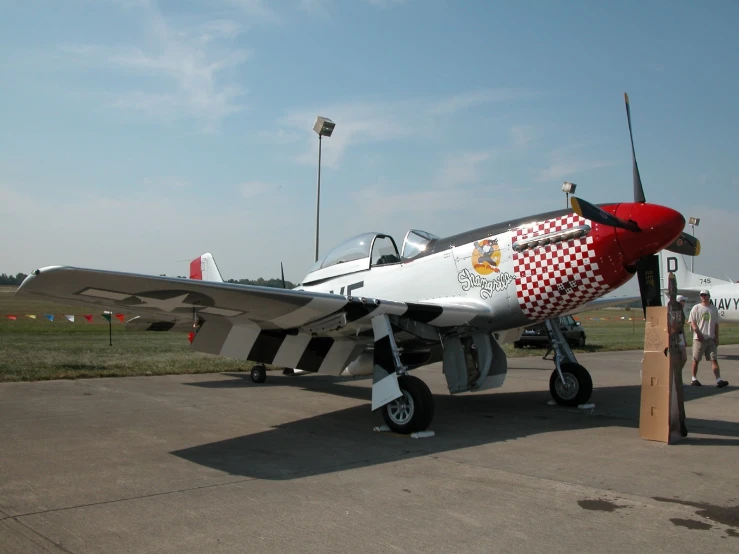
566, 169
385, 3
463, 168
279, 136
566, 162
521, 136
182, 69
356, 123
466, 100
368, 122
256, 8
165, 181
251, 189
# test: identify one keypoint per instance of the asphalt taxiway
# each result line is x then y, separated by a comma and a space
215, 463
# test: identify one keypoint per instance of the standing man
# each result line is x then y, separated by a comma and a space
704, 323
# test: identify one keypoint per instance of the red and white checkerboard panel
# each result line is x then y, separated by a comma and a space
557, 277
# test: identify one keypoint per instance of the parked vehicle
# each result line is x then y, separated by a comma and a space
536, 335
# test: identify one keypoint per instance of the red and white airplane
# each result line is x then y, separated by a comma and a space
369, 308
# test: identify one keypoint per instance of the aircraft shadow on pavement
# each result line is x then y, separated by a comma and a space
323, 383
343, 440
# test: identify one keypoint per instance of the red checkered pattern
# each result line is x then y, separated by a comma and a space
555, 278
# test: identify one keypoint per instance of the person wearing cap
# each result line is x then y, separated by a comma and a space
704, 323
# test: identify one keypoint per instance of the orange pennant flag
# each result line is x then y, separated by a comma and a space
121, 317
88, 317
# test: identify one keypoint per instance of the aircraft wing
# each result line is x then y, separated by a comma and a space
290, 328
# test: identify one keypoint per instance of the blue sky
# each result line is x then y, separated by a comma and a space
137, 134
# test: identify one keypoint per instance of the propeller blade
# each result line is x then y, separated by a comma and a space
647, 269
638, 189
590, 211
282, 272
686, 244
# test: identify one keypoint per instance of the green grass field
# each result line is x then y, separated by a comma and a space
38, 349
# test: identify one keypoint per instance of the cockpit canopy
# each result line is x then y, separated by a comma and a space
368, 250
416, 243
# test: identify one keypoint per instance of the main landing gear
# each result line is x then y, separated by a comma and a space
413, 411
406, 402
570, 383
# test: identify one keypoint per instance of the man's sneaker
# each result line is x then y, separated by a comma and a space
722, 383
695, 383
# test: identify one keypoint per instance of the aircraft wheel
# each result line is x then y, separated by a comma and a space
413, 411
258, 374
576, 389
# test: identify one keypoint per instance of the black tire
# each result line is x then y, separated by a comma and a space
579, 342
258, 374
580, 389
413, 411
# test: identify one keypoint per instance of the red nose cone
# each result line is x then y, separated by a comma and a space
659, 225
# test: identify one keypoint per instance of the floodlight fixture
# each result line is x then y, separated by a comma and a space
568, 188
324, 127
694, 221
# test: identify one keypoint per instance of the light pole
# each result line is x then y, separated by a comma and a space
568, 188
693, 222
324, 127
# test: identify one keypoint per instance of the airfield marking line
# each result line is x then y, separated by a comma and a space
379, 460
109, 412
44, 537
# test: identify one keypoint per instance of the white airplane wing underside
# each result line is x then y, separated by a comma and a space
298, 329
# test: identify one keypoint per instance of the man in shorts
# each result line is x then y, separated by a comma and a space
704, 323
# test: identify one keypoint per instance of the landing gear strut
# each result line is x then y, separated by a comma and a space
406, 402
570, 383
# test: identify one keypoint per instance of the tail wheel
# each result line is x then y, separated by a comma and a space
258, 374
576, 388
413, 411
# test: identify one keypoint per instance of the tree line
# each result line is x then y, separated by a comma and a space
12, 280
275, 283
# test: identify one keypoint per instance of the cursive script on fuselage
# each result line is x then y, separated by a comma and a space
487, 286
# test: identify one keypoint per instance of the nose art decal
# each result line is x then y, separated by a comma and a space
556, 277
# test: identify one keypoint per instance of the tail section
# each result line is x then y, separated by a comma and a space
686, 279
204, 268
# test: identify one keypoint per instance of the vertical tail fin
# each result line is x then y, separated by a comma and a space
204, 268
686, 279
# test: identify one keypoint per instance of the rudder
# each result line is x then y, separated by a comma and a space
204, 268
